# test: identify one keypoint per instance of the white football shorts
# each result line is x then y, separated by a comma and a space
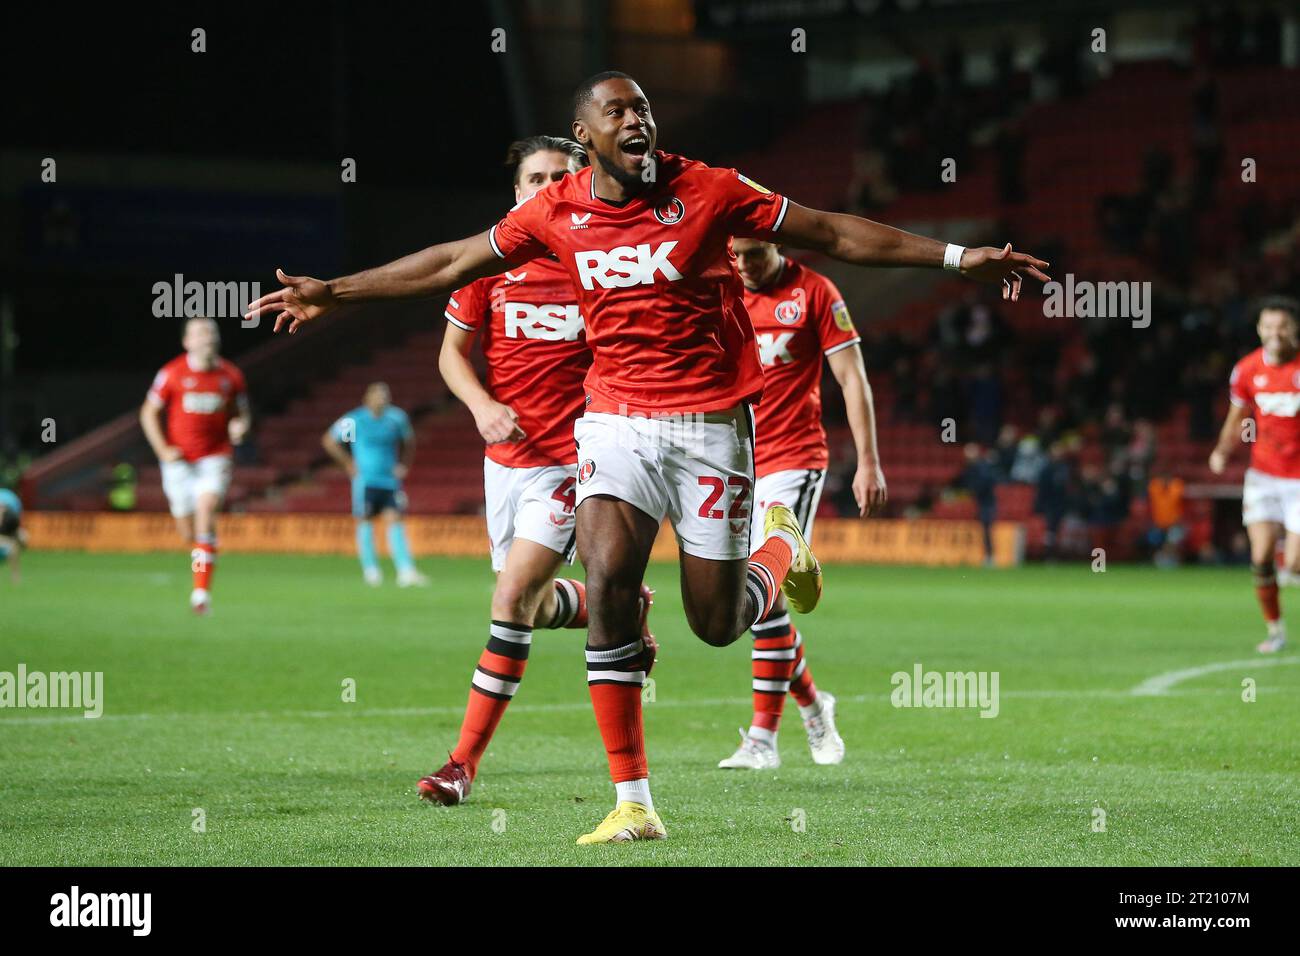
696, 469
183, 482
1266, 497
536, 504
799, 489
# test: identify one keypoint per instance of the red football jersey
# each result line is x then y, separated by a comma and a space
798, 318
199, 404
654, 277
537, 356
1273, 392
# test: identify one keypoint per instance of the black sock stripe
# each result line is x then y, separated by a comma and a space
516, 652
563, 610
498, 675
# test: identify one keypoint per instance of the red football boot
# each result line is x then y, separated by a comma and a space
449, 786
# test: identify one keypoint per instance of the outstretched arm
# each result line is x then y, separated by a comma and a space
429, 272
863, 242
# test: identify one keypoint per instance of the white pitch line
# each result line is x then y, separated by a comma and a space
347, 711
1160, 684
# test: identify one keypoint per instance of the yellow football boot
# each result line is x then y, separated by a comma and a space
803, 584
627, 821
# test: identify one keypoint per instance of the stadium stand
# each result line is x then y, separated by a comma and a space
1067, 182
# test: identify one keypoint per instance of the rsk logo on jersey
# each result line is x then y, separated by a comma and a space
626, 266
670, 211
1281, 404
551, 323
772, 347
203, 403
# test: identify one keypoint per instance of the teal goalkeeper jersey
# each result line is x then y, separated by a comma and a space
376, 443
10, 502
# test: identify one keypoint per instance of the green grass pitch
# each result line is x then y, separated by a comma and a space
241, 715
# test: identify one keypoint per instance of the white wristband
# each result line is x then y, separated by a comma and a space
952, 257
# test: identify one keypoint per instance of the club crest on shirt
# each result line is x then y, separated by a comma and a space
840, 312
753, 185
670, 211
788, 312
585, 471
1261, 381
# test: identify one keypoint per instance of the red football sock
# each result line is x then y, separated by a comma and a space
500, 669
801, 680
771, 662
203, 560
768, 567
1266, 590
570, 604
614, 679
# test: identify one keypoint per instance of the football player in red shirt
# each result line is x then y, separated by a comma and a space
531, 331
206, 402
1267, 383
668, 430
799, 317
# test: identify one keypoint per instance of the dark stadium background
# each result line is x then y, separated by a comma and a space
1116, 166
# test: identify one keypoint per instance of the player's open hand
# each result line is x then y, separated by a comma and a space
869, 489
498, 423
987, 264
1218, 461
301, 300
238, 429
170, 453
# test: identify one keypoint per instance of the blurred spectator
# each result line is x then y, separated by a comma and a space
121, 489
1167, 531
1052, 496
1005, 451
984, 404
980, 478
1106, 506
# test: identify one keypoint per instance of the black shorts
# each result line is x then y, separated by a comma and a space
368, 502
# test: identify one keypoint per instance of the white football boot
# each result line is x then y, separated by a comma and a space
824, 740
373, 576
412, 579
752, 754
1276, 638
199, 602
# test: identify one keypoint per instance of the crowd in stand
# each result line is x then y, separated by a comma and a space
1071, 412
